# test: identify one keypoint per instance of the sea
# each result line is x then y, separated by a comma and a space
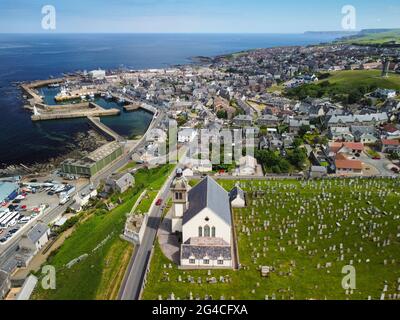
28, 57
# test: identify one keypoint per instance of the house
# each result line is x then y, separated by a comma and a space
35, 239
186, 135
358, 120
237, 198
268, 121
348, 167
352, 147
247, 166
5, 284
203, 218
317, 172
389, 146
119, 182
188, 172
242, 120
364, 134
199, 165
295, 125
384, 93
82, 199
341, 134
391, 131
135, 228
367, 138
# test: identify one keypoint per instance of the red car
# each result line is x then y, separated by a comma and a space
159, 202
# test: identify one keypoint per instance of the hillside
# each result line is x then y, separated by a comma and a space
346, 86
374, 37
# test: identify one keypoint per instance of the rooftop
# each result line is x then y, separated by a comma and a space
349, 164
208, 194
103, 151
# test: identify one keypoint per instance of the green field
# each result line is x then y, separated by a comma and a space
375, 38
99, 276
346, 86
306, 231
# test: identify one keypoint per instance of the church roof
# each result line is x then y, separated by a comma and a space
200, 252
235, 193
208, 194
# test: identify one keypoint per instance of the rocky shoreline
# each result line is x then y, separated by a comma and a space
84, 143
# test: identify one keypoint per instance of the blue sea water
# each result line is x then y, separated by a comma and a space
27, 57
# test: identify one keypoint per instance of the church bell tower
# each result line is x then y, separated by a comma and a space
179, 190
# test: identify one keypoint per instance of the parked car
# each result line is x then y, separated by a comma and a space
159, 202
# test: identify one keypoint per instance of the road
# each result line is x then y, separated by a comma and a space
133, 282
137, 268
8, 249
380, 165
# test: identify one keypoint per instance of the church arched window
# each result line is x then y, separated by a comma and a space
200, 232
213, 232
207, 231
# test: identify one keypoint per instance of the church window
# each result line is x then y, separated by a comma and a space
213, 232
207, 231
200, 232
178, 195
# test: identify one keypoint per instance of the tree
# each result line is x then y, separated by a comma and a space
303, 130
297, 158
222, 114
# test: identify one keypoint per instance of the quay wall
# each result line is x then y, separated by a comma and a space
101, 128
78, 114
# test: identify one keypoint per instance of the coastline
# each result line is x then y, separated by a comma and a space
193, 59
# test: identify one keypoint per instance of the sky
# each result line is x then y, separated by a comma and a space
195, 16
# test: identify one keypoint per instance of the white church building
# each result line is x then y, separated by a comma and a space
203, 217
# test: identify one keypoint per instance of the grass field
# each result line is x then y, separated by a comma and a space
346, 86
306, 231
375, 38
99, 276
344, 79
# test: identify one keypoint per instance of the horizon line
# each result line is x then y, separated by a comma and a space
195, 32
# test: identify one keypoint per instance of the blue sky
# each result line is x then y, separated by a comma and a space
206, 16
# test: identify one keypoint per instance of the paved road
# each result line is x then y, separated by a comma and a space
137, 268
132, 284
8, 249
379, 165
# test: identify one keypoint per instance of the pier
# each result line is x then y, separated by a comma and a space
100, 127
137, 105
81, 110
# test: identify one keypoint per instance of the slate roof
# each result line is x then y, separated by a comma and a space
236, 192
200, 252
208, 194
358, 118
37, 232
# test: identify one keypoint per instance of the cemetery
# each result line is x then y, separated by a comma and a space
296, 240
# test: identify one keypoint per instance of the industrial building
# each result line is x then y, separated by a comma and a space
94, 162
8, 191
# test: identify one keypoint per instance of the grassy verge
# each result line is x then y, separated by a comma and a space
99, 275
